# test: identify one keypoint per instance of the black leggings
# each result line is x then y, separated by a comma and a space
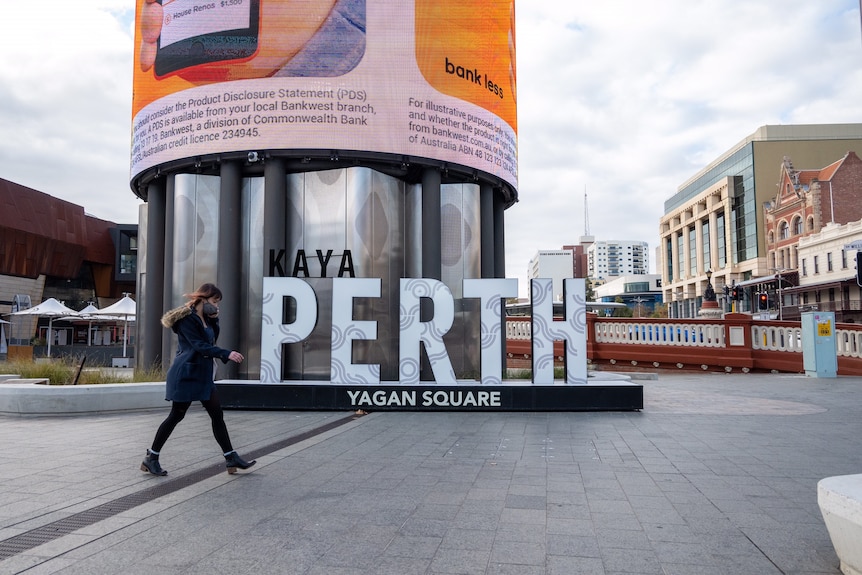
178, 412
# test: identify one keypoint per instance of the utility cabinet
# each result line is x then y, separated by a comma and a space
819, 352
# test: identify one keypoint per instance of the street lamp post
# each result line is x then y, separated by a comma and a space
778, 279
780, 302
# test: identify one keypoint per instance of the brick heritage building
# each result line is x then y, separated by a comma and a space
808, 200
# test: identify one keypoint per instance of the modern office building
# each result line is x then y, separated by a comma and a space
715, 221
51, 248
639, 292
580, 256
613, 258
554, 264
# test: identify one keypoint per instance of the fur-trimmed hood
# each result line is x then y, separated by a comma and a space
171, 317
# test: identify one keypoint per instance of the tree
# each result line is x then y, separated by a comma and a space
589, 294
622, 311
659, 311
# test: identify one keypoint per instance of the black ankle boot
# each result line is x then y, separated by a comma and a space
151, 464
234, 462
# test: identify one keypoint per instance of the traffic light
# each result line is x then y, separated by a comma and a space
734, 293
763, 301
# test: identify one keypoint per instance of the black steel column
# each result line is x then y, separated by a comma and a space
486, 223
274, 190
499, 237
229, 274
274, 219
432, 251
168, 266
150, 347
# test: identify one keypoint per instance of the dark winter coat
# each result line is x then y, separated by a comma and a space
190, 377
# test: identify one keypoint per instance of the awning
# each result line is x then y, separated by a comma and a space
820, 286
768, 279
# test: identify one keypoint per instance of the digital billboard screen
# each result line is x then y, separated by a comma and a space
433, 79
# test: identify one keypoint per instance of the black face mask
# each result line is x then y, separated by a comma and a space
209, 309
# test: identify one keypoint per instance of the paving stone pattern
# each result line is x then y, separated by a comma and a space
717, 475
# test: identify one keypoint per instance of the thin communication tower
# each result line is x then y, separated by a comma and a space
587, 211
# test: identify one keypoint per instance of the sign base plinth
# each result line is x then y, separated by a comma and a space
524, 396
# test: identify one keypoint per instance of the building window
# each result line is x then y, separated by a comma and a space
125, 239
804, 267
720, 242
829, 262
783, 231
704, 233
692, 251
669, 256
797, 226
816, 264
843, 259
681, 254
810, 224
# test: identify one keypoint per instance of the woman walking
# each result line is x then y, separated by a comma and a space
190, 377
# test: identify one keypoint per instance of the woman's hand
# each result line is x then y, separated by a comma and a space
236, 356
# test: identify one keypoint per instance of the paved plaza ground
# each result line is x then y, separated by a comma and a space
717, 475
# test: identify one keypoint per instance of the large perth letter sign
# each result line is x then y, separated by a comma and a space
414, 332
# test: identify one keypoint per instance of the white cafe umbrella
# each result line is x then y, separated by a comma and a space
86, 314
125, 308
51, 309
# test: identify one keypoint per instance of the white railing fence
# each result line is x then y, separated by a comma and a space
764, 336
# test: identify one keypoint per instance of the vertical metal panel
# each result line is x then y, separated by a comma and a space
413, 231
325, 213
253, 262
365, 212
294, 221
376, 215
460, 229
195, 232
461, 259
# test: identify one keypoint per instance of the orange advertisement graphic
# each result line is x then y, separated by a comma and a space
186, 43
467, 50
216, 76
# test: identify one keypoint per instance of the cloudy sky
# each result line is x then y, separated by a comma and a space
621, 99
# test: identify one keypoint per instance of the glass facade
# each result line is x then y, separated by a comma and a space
669, 259
720, 241
704, 232
740, 166
744, 216
636, 287
692, 251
